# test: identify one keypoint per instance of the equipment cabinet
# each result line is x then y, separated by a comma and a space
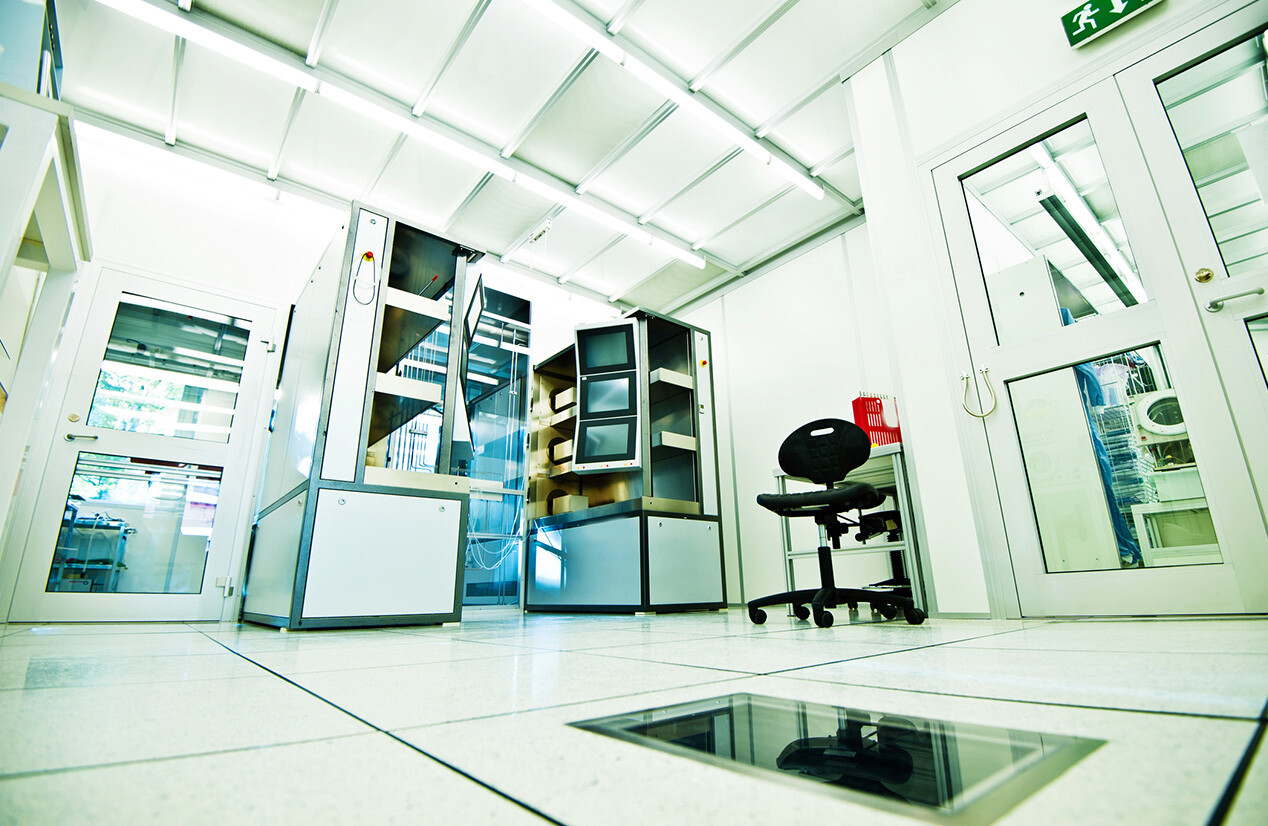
623, 496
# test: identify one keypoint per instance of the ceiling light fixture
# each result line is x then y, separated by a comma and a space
393, 115
1075, 217
396, 116
167, 18
583, 26
596, 36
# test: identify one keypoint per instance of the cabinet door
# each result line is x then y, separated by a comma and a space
380, 555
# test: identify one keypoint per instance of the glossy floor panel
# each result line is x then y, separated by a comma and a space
190, 723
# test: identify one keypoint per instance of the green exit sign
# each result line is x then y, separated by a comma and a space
1091, 20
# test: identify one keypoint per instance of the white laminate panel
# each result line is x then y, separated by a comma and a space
381, 554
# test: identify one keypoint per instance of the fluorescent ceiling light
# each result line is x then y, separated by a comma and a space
742, 138
1086, 225
165, 17
596, 38
402, 121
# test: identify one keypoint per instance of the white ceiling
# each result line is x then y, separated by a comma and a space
625, 182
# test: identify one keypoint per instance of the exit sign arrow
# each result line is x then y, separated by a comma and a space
1091, 20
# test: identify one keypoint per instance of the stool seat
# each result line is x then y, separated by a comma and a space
850, 496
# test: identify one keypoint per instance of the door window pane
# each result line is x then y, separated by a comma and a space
1219, 113
135, 526
1112, 474
1049, 237
170, 370
1258, 330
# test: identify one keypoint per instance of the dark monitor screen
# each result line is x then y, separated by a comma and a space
474, 310
607, 395
606, 441
606, 348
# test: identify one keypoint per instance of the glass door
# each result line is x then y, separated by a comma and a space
139, 507
1122, 481
1204, 129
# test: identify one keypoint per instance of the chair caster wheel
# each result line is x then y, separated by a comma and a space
914, 616
853, 606
823, 619
887, 611
801, 612
757, 615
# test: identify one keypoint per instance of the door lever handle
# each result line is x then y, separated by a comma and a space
70, 437
1217, 304
964, 402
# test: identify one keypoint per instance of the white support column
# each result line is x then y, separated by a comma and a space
922, 316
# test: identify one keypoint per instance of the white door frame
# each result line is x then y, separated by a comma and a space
1173, 310
242, 458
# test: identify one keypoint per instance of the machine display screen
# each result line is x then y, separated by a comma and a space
606, 441
606, 348
608, 396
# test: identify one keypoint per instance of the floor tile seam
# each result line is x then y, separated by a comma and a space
1256, 654
186, 756
1238, 778
1024, 702
5, 691
396, 664
489, 787
594, 653
738, 677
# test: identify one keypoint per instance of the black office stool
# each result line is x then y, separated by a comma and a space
825, 451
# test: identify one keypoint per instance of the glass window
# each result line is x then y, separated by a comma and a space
1112, 474
135, 526
1219, 112
1049, 237
170, 370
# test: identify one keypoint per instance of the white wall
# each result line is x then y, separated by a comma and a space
793, 345
981, 59
157, 212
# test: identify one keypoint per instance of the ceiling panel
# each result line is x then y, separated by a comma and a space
400, 59
793, 216
288, 23
803, 48
664, 162
513, 63
224, 107
120, 67
669, 284
723, 197
332, 149
571, 239
603, 108
687, 37
818, 131
604, 10
844, 176
499, 214
621, 267
424, 184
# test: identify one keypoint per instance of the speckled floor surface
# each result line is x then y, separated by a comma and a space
467, 723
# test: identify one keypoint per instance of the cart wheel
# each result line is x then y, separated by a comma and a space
757, 615
914, 616
801, 612
823, 619
887, 611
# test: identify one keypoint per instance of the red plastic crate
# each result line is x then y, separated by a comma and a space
878, 416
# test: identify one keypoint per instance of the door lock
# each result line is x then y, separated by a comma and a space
1203, 275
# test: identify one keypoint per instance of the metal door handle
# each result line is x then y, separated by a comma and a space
70, 437
965, 377
1217, 304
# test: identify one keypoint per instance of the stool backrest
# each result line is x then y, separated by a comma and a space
825, 450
